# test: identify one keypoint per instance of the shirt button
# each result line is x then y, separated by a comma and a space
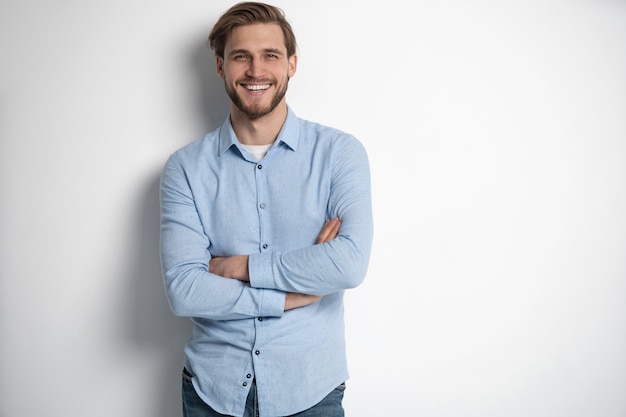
257, 352
265, 246
249, 376
260, 318
245, 384
259, 166
262, 205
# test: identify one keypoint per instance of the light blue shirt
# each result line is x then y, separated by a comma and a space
218, 200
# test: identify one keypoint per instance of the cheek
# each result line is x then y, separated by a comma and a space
229, 71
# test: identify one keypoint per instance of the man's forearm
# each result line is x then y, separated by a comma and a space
235, 267
295, 300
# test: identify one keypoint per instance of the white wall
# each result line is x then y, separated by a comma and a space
497, 137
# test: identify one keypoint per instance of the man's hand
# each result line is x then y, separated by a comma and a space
329, 231
235, 267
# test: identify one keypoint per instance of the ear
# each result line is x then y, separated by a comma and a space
219, 64
293, 64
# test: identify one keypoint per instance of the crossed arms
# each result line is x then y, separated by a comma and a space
236, 267
209, 284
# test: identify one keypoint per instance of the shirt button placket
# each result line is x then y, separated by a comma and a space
265, 239
262, 206
248, 377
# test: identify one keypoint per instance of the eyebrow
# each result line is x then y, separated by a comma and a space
245, 51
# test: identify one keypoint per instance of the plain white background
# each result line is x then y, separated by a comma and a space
497, 137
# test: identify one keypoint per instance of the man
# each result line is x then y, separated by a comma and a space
265, 222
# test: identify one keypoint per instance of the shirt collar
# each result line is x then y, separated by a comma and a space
289, 134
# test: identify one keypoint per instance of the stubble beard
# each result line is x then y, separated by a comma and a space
254, 112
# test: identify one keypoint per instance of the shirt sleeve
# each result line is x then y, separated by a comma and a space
341, 263
191, 289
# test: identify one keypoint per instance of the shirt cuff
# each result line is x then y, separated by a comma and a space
273, 304
260, 270
260, 276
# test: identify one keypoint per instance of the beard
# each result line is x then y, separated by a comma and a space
256, 111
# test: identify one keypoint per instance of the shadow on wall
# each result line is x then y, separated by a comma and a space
213, 103
154, 330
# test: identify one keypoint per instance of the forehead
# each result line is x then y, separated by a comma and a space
256, 36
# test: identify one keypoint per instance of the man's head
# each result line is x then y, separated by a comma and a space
255, 52
248, 13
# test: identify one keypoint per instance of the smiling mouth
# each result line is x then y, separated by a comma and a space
256, 87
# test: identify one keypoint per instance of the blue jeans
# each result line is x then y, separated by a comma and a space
193, 406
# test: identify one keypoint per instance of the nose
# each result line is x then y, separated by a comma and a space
255, 68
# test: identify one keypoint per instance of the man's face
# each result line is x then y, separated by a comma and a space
256, 68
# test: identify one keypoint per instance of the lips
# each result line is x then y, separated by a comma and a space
256, 87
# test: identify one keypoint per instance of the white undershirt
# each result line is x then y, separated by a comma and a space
258, 151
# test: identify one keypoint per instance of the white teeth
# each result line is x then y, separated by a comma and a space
256, 87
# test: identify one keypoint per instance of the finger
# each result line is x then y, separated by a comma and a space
330, 230
335, 230
323, 235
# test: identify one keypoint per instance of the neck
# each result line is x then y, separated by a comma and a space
260, 131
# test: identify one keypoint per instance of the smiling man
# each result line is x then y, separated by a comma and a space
255, 74
265, 222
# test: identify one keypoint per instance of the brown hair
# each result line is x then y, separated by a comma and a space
247, 13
